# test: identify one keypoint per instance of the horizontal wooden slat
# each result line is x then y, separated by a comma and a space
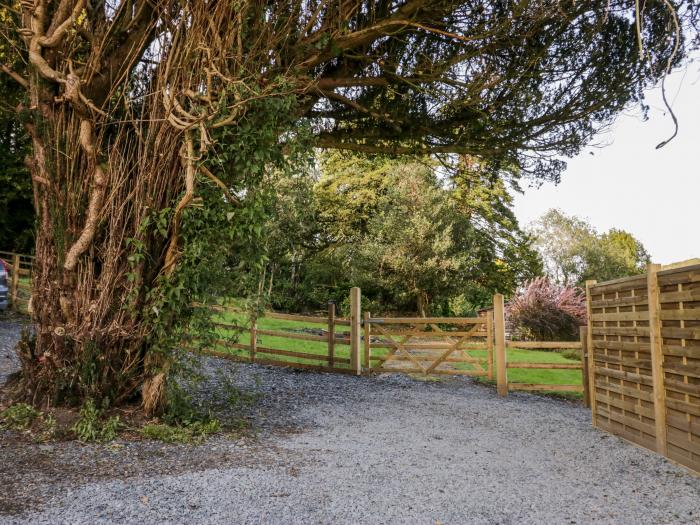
295, 317
625, 404
684, 370
621, 316
680, 439
625, 376
681, 333
624, 390
691, 314
636, 300
678, 277
628, 421
683, 406
681, 423
429, 359
272, 362
619, 285
545, 366
419, 333
548, 388
300, 355
630, 435
677, 297
443, 372
614, 360
427, 320
631, 346
683, 388
682, 351
552, 345
623, 330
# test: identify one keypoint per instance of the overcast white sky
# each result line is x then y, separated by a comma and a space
653, 194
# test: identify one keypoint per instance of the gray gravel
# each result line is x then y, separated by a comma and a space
10, 328
337, 449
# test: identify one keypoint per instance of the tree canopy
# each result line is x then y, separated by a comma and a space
398, 228
573, 251
154, 124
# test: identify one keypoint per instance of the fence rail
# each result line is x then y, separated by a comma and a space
20, 285
254, 352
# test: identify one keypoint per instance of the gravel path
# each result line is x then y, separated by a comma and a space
337, 449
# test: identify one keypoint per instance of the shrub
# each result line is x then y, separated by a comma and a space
18, 417
545, 311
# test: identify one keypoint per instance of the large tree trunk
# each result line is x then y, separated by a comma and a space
95, 262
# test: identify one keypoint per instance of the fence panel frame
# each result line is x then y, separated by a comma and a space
672, 369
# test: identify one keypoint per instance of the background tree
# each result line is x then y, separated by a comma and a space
136, 108
412, 235
16, 206
573, 251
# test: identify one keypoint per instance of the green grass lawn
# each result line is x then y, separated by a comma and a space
531, 376
319, 348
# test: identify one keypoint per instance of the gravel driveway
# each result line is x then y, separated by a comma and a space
337, 449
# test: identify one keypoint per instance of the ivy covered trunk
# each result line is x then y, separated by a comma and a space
134, 221
101, 260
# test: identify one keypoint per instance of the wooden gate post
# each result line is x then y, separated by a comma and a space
657, 358
253, 338
355, 329
591, 352
583, 336
14, 285
331, 333
489, 343
367, 335
499, 322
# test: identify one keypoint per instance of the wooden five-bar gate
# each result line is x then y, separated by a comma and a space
432, 345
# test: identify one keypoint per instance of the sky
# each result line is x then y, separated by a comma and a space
629, 184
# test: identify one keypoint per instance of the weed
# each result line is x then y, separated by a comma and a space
195, 432
18, 417
48, 428
574, 355
92, 427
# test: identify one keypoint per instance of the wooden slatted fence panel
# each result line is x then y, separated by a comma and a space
679, 298
621, 360
645, 349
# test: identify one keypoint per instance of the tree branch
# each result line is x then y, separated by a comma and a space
15, 76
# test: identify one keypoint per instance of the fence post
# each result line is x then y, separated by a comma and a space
489, 344
583, 336
253, 339
499, 322
14, 285
591, 352
355, 322
331, 333
657, 357
368, 351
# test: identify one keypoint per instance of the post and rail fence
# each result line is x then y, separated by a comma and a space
639, 354
19, 267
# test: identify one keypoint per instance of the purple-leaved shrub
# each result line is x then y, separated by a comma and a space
547, 311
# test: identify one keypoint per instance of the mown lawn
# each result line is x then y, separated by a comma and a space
281, 343
320, 348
